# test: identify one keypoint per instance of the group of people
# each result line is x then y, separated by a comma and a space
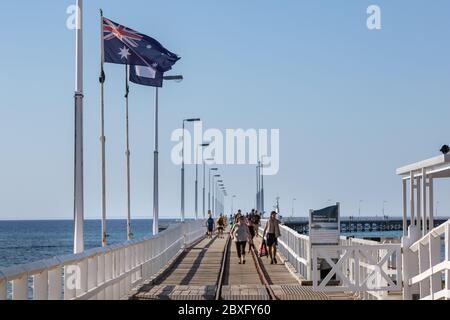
220, 224
244, 229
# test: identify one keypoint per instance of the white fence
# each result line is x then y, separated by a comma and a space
295, 248
105, 273
363, 269
367, 268
427, 268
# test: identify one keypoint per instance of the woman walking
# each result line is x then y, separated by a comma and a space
272, 230
241, 236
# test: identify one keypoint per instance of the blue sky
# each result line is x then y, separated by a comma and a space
351, 104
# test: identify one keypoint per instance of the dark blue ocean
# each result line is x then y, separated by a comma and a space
29, 241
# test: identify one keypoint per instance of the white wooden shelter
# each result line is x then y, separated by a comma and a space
419, 179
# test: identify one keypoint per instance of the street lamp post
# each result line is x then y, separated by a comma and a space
209, 188
213, 193
196, 180
232, 204
182, 169
293, 206
176, 78
215, 187
78, 237
220, 197
204, 186
359, 209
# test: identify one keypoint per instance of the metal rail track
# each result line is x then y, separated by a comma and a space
258, 267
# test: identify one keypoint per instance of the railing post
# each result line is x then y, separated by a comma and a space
40, 286
69, 282
3, 292
101, 275
447, 257
410, 262
308, 261
83, 274
20, 288
92, 274
424, 265
108, 274
435, 258
314, 266
55, 284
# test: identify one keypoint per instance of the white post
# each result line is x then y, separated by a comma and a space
424, 202
213, 203
431, 203
182, 180
127, 153
419, 203
412, 202
204, 188
156, 169
102, 137
447, 256
196, 183
262, 188
78, 238
405, 214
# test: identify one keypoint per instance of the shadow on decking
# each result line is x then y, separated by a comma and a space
194, 268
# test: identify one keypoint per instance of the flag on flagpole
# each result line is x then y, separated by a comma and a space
123, 45
146, 76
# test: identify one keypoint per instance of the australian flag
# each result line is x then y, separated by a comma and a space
126, 46
146, 76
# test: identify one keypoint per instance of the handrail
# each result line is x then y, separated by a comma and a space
428, 272
99, 273
296, 248
425, 240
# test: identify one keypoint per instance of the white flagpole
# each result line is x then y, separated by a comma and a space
156, 169
102, 138
127, 152
78, 241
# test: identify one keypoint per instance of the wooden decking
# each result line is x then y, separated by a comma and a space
195, 276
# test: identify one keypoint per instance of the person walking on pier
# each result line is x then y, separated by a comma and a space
272, 230
220, 226
241, 236
254, 221
210, 226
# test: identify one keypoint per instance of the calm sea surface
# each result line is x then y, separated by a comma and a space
29, 241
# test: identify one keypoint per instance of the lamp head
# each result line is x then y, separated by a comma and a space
445, 149
177, 78
193, 120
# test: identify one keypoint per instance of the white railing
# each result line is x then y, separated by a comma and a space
105, 274
428, 270
295, 248
363, 269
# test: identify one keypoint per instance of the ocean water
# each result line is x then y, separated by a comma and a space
29, 241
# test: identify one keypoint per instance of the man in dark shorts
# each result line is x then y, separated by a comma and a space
210, 226
272, 230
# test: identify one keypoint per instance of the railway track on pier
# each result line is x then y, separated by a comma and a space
231, 284
209, 270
